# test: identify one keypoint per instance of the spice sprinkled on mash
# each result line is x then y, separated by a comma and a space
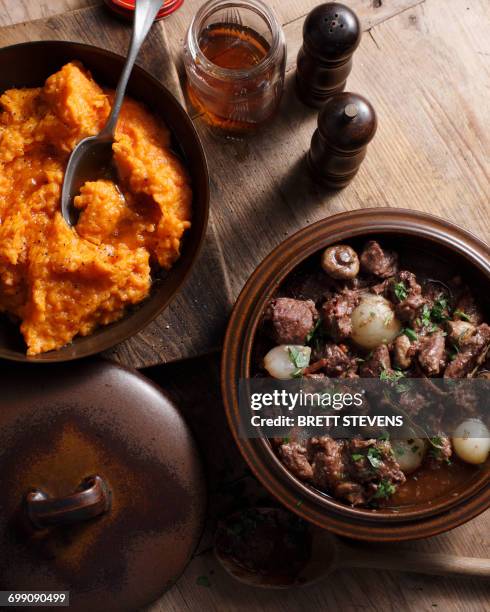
58, 281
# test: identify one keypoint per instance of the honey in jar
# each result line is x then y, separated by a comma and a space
235, 62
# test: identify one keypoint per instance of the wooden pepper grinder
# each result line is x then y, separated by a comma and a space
331, 34
346, 124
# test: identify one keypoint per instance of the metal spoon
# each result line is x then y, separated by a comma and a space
329, 553
92, 157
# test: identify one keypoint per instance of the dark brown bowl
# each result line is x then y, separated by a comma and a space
28, 65
433, 245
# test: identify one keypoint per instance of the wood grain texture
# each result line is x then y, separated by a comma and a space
191, 325
17, 11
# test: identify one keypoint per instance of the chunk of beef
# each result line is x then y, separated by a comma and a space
467, 404
334, 362
313, 285
330, 470
413, 402
471, 355
440, 452
406, 293
377, 261
432, 352
467, 305
294, 455
351, 492
377, 462
336, 313
291, 320
352, 470
459, 332
376, 363
403, 351
410, 308
373, 463
434, 290
328, 461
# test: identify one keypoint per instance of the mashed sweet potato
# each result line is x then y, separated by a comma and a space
57, 281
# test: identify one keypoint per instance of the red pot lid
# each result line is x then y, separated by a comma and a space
125, 8
102, 492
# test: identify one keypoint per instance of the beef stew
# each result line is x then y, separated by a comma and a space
361, 311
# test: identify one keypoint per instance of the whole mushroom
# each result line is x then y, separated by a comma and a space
341, 262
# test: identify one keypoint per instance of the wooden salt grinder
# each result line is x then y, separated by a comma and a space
346, 124
331, 34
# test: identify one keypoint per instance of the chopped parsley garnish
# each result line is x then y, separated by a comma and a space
391, 375
462, 315
399, 451
410, 334
436, 441
299, 503
314, 332
400, 291
299, 359
426, 316
437, 445
374, 457
385, 489
384, 437
356, 456
415, 448
285, 440
439, 312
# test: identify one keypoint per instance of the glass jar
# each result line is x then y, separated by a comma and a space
235, 58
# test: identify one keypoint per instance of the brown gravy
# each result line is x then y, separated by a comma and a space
427, 485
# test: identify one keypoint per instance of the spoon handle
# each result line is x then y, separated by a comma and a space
144, 15
414, 561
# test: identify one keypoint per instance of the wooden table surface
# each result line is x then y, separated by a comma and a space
425, 66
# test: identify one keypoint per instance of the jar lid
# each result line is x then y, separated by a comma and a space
101, 485
125, 8
347, 121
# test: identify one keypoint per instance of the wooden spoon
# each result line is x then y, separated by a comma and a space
329, 553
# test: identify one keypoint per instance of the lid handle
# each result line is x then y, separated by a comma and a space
92, 499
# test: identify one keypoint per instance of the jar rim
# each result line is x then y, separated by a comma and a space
258, 7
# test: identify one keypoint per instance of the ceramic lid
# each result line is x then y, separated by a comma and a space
102, 492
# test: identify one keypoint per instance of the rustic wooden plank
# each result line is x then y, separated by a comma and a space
191, 325
17, 11
370, 12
